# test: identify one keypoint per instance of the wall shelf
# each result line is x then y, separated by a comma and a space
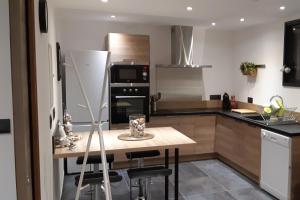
184, 67
260, 66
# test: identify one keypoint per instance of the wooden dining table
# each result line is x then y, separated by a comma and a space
165, 138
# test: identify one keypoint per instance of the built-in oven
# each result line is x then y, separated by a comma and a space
129, 74
132, 98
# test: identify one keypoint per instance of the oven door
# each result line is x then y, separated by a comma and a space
123, 106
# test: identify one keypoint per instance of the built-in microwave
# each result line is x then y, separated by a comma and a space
129, 74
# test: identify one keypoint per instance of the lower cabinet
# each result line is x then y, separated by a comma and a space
236, 141
199, 128
239, 143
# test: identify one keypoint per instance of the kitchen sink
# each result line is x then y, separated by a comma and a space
266, 120
255, 117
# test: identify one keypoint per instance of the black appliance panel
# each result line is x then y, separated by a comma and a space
129, 74
128, 100
291, 72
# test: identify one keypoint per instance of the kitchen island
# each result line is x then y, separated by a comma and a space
165, 138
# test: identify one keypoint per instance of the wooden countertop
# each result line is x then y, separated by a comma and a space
164, 138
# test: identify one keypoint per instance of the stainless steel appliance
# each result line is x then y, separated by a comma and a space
127, 100
91, 67
182, 46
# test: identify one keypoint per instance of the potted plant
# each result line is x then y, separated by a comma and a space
248, 68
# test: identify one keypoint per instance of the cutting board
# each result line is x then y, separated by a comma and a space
243, 111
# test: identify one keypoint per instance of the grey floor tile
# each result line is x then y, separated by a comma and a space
157, 188
250, 194
214, 196
202, 185
187, 171
201, 180
192, 180
224, 175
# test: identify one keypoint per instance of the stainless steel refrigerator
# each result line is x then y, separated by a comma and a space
91, 67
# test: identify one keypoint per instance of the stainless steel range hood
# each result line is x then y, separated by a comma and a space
182, 43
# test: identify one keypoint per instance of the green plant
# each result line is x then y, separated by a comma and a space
248, 68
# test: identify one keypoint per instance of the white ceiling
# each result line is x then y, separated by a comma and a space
226, 13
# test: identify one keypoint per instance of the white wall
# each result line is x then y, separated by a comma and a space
7, 155
262, 45
215, 49
51, 170
211, 47
80, 34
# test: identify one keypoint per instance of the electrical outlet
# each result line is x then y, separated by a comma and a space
250, 100
215, 97
4, 126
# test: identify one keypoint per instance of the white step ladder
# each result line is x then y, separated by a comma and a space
96, 126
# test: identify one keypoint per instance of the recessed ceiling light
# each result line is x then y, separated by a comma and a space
113, 16
294, 29
282, 7
213, 24
104, 1
242, 19
189, 8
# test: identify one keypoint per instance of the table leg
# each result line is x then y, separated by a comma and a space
97, 187
167, 177
176, 174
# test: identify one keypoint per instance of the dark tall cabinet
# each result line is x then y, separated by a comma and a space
291, 72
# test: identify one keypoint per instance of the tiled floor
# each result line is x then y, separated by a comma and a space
201, 180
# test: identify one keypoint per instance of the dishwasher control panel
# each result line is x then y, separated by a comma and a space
276, 138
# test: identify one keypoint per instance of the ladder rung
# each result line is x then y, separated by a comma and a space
103, 188
86, 186
104, 106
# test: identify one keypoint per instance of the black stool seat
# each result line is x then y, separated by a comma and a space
97, 178
142, 154
95, 159
149, 172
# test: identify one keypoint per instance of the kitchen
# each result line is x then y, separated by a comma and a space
175, 68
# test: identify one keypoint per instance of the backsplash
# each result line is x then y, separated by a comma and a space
180, 84
176, 105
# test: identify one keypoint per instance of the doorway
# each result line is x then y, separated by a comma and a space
24, 92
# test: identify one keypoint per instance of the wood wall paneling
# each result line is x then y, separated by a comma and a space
295, 169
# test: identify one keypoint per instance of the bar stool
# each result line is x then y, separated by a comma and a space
95, 178
148, 173
96, 160
140, 156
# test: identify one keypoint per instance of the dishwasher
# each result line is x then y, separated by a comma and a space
275, 164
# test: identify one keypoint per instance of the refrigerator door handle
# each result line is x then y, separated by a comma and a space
129, 97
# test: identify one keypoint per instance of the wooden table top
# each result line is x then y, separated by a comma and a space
164, 138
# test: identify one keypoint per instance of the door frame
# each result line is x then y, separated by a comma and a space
24, 92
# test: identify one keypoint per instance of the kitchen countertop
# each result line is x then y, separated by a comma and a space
290, 130
165, 138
